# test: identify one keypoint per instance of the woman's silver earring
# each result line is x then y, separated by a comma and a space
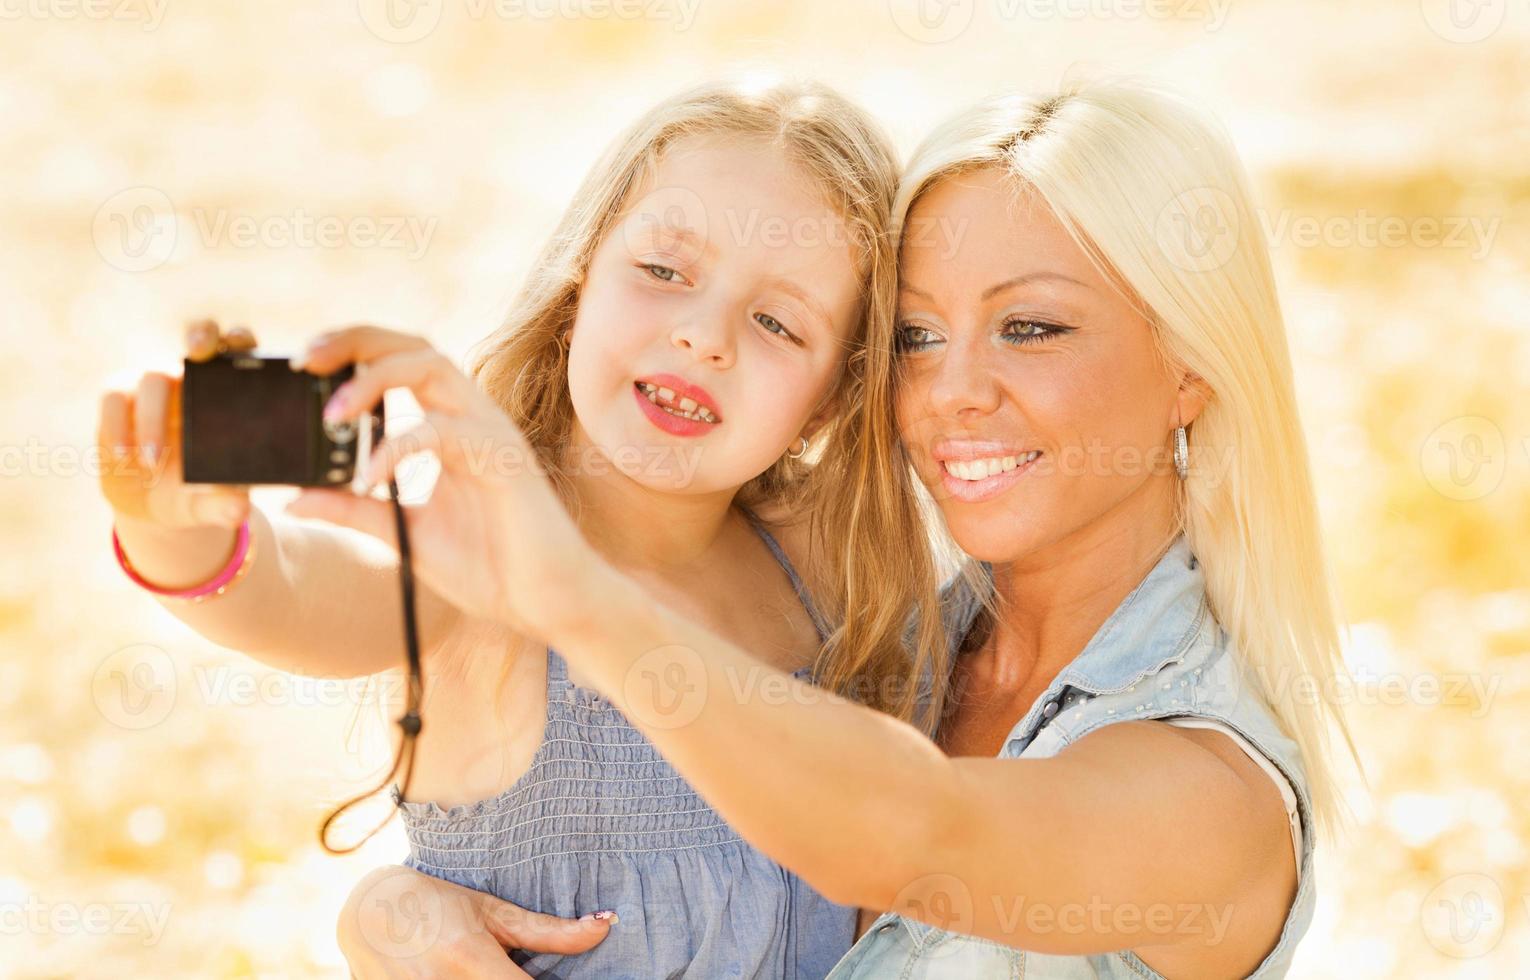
1181, 453
800, 452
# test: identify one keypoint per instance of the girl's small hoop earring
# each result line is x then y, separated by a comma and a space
800, 452
1181, 453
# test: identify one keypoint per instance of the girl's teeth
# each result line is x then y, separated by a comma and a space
687, 408
693, 416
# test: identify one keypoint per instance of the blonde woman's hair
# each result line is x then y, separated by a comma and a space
1153, 191
851, 489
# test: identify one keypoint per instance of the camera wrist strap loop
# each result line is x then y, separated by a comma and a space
410, 720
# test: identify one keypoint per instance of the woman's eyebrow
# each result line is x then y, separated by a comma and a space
1027, 279
994, 290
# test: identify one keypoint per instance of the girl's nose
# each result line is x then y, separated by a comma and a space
707, 341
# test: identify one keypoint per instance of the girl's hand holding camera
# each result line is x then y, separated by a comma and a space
140, 445
494, 539
178, 534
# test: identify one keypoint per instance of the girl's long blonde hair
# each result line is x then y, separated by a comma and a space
1153, 191
851, 489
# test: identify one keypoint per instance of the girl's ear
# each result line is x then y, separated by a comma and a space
821, 417
830, 407
1194, 393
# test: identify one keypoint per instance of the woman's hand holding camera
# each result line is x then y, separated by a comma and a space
494, 539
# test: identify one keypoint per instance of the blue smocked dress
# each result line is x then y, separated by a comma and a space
601, 821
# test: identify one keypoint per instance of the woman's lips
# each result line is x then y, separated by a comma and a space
977, 491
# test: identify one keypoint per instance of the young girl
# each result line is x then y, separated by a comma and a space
688, 334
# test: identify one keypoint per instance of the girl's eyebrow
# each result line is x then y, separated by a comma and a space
802, 295
684, 236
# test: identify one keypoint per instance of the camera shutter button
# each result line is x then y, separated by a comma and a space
343, 430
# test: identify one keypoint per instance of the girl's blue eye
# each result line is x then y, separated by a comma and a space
774, 326
1020, 331
663, 272
910, 338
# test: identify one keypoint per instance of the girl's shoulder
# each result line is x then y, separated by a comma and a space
472, 642
794, 534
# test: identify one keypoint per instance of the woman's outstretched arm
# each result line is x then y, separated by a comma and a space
1132, 820
871, 813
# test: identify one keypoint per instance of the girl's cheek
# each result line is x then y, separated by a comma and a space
784, 400
637, 311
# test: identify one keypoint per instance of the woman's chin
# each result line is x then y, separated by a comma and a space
996, 534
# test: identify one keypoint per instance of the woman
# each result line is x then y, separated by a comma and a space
1093, 382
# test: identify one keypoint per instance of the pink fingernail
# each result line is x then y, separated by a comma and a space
336, 404
600, 916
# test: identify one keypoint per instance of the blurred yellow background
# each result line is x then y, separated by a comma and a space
163, 159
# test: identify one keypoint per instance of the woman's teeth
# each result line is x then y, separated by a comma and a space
982, 469
686, 408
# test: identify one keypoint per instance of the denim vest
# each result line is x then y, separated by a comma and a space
1160, 655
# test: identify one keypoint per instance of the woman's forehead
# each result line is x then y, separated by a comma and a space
983, 229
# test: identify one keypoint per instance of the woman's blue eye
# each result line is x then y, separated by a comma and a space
1031, 331
911, 338
774, 326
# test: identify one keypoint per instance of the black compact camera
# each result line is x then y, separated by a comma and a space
251, 419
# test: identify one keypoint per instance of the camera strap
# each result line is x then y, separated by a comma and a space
410, 721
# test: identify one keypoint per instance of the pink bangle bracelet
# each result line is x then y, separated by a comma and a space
238, 564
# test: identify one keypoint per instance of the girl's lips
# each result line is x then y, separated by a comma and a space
977, 491
684, 389
673, 424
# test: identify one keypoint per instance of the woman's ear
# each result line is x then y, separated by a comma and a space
1193, 396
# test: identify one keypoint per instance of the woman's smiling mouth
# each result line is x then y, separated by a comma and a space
973, 472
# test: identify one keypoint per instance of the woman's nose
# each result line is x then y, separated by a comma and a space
963, 382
